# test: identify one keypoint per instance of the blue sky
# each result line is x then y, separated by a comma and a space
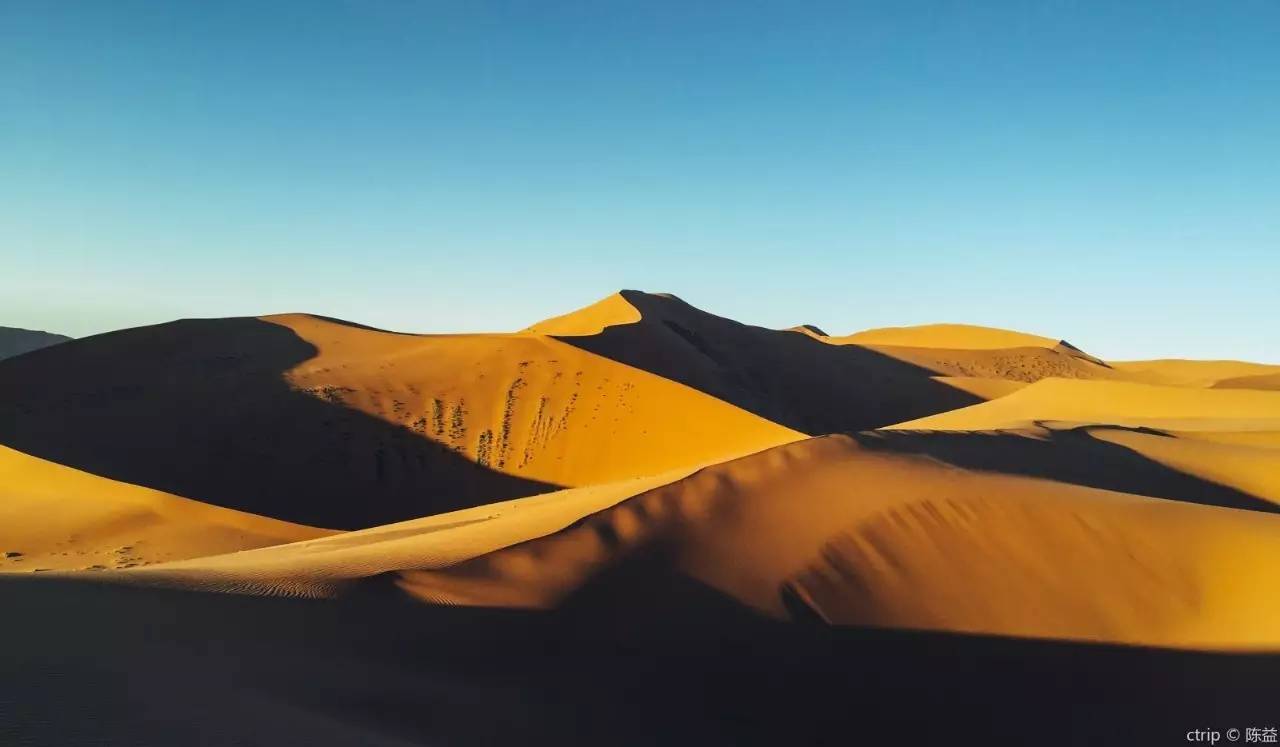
1106, 172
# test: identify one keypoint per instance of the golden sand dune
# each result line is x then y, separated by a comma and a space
321, 567
1118, 403
951, 336
612, 527
1250, 468
591, 320
796, 380
972, 352
828, 528
525, 405
982, 387
1194, 373
333, 424
1024, 364
57, 518
1269, 382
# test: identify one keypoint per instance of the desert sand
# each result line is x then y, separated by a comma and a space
57, 518
634, 523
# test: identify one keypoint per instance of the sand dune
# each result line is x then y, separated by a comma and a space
795, 380
827, 528
950, 336
16, 341
1117, 403
1249, 468
982, 387
323, 567
609, 311
56, 518
1024, 364
525, 405
1269, 382
1194, 373
296, 416
613, 527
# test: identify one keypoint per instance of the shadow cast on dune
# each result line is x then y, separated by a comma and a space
257, 670
1070, 456
200, 408
784, 376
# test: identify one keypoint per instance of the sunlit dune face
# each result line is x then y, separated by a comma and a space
54, 518
526, 404
948, 336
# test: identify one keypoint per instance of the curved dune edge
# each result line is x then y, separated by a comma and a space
959, 336
60, 518
1249, 468
826, 528
322, 567
609, 311
1115, 403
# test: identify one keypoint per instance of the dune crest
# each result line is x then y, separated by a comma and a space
952, 336
590, 320
825, 527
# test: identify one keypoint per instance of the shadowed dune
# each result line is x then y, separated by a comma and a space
1083, 455
373, 670
56, 518
15, 341
788, 378
1114, 403
201, 409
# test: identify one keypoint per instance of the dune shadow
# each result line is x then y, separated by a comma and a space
168, 667
784, 376
200, 408
1070, 456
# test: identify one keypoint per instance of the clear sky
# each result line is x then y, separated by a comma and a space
1107, 172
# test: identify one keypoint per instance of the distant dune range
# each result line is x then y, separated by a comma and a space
633, 521
15, 341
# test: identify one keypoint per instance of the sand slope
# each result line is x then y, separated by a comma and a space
1269, 382
1193, 373
828, 528
1023, 364
950, 336
323, 567
16, 341
1118, 403
525, 405
1249, 468
60, 518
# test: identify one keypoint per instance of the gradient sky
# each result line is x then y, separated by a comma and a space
1106, 172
